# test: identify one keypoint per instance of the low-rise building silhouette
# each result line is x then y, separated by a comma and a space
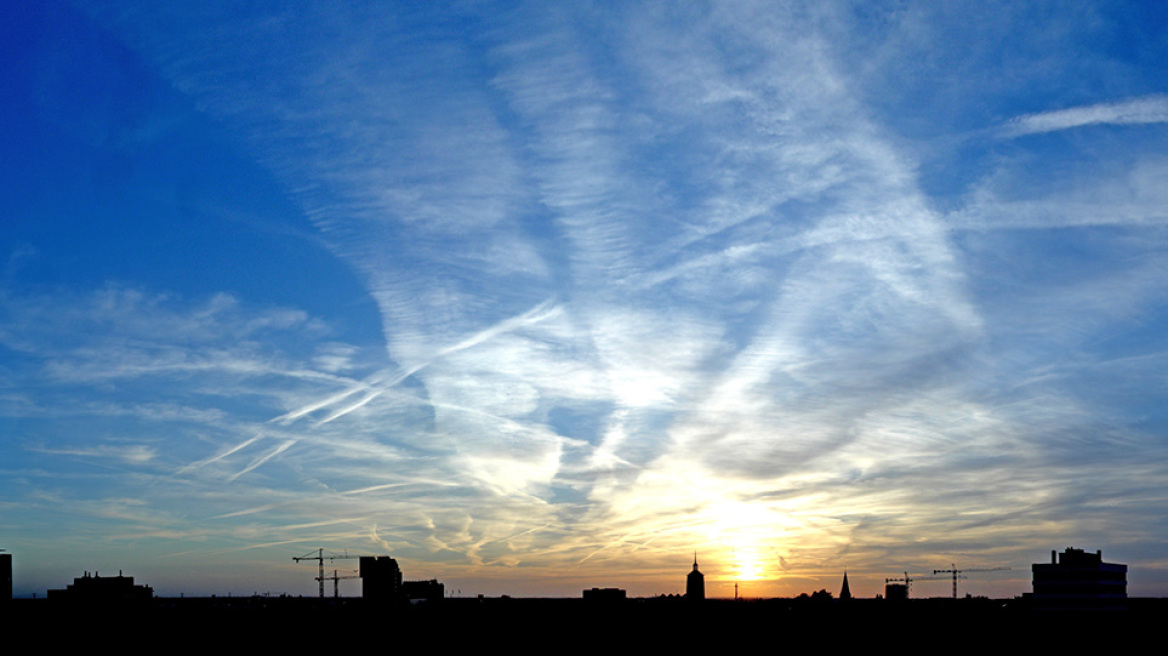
1078, 579
896, 591
429, 591
103, 589
605, 595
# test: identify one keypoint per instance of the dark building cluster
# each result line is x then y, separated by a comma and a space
381, 582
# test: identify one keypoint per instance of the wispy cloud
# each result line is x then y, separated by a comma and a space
647, 278
137, 454
1136, 111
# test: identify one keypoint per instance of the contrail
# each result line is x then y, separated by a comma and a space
259, 461
249, 511
349, 408
545, 310
1151, 109
373, 488
219, 456
539, 313
312, 407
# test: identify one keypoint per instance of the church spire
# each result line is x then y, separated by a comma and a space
845, 592
695, 583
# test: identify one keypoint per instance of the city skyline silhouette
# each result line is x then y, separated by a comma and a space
1074, 579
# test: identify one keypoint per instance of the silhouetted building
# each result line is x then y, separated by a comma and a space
104, 589
695, 583
896, 591
429, 591
5, 577
845, 592
1077, 579
605, 595
381, 579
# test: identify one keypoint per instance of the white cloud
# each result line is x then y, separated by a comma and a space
1136, 111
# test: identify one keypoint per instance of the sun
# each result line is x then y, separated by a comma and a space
747, 565
745, 530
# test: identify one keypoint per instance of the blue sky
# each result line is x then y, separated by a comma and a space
537, 297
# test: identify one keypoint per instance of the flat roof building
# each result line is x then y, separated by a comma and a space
430, 591
1078, 579
896, 591
605, 595
97, 589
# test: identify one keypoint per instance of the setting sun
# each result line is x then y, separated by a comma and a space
748, 565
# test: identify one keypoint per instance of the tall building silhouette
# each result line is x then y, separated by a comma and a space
695, 583
5, 577
381, 579
845, 592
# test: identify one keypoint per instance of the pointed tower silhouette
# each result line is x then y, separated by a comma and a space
845, 592
695, 583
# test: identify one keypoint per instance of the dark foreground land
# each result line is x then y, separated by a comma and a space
576, 626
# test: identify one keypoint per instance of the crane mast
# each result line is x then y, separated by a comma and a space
958, 572
320, 558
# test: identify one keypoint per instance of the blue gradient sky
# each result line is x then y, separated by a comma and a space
539, 297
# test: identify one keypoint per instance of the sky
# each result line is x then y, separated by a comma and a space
538, 297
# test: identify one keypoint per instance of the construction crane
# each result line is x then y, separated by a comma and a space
957, 573
320, 558
335, 578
